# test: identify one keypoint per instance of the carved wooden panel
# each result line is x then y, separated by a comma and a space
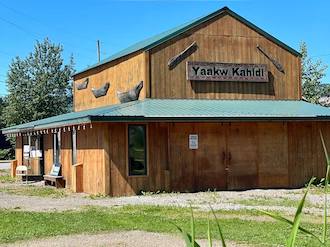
174, 61
130, 95
82, 85
102, 91
275, 62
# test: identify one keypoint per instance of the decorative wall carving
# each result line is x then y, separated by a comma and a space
82, 85
174, 61
277, 64
102, 91
130, 95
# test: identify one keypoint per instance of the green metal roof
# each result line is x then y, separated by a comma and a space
177, 110
156, 40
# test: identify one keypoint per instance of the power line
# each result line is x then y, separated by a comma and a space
43, 23
34, 35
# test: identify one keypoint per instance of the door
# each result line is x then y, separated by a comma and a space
181, 157
201, 167
224, 158
242, 156
210, 160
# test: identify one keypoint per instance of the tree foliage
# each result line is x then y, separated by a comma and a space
312, 73
39, 85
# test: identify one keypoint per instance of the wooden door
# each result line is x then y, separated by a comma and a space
210, 163
242, 156
181, 157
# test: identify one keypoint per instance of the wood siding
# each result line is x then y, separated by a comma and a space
19, 150
122, 75
229, 41
92, 145
121, 183
229, 156
257, 155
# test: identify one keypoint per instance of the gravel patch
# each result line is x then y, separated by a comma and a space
220, 200
113, 239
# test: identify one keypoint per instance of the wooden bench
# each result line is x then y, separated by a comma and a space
54, 178
57, 181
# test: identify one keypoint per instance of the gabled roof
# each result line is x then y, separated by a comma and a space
156, 40
182, 110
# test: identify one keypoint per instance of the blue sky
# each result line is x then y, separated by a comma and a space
78, 24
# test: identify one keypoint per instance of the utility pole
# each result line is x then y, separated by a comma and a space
98, 51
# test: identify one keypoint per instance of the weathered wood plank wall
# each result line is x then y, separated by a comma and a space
121, 183
257, 155
230, 41
122, 75
91, 146
19, 150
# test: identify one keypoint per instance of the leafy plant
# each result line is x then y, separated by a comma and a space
326, 183
296, 222
190, 238
6, 154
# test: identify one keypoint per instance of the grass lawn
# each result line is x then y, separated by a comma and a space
31, 190
16, 225
5, 176
284, 202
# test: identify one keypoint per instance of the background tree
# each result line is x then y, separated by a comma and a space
39, 85
6, 150
312, 73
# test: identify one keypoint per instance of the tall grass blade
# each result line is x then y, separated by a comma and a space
297, 218
187, 238
209, 237
219, 228
192, 225
290, 222
326, 183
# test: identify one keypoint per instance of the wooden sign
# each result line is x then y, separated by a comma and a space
208, 71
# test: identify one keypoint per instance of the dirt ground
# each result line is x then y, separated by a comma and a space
225, 200
113, 239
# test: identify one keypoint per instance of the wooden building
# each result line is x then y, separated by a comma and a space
212, 104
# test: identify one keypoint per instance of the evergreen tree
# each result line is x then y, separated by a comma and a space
312, 73
39, 85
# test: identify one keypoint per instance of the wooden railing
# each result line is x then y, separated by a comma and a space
77, 178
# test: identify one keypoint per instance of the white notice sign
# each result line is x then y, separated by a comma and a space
193, 141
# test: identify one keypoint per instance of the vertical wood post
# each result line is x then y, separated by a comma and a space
77, 178
13, 166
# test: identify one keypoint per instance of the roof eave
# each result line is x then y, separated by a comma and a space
208, 119
59, 124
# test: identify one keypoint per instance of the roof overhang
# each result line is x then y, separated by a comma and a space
184, 110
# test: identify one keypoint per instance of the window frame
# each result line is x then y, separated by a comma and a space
146, 153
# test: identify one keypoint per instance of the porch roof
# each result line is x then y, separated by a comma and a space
184, 110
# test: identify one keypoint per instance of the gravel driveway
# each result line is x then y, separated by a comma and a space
226, 200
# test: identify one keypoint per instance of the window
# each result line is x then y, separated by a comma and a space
57, 147
137, 159
74, 146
